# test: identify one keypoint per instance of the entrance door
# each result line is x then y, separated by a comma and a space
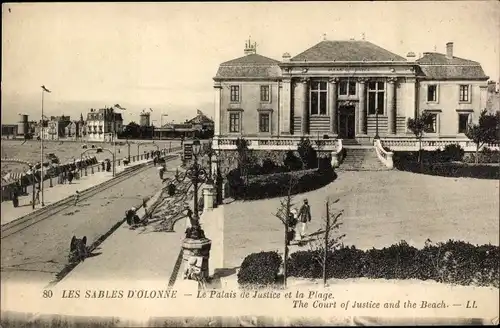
346, 122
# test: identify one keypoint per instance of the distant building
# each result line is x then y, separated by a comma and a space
200, 127
9, 131
54, 128
74, 130
103, 124
145, 119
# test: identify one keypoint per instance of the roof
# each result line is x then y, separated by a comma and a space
201, 119
356, 51
249, 66
437, 66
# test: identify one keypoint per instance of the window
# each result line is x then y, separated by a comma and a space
376, 97
318, 98
264, 122
264, 93
432, 125
347, 88
432, 93
464, 93
463, 122
234, 122
235, 93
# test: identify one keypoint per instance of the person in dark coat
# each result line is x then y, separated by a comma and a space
15, 197
70, 176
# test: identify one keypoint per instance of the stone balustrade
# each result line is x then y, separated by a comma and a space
281, 143
337, 154
411, 143
384, 156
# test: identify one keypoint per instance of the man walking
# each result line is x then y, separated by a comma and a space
305, 217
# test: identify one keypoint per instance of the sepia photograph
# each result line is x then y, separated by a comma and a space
218, 164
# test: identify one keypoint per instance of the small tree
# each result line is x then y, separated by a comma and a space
485, 131
244, 157
330, 239
307, 153
418, 126
283, 214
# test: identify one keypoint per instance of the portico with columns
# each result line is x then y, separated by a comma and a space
344, 105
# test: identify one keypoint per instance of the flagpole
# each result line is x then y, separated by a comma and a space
41, 153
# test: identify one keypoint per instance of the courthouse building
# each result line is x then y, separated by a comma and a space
345, 92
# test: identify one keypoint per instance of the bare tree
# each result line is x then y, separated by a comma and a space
329, 239
283, 214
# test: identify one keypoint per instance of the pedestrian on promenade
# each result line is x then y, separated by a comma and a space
37, 196
305, 217
70, 176
15, 198
77, 197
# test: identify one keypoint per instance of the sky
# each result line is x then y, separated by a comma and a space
164, 55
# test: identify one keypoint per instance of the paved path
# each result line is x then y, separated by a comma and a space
380, 208
147, 254
56, 193
40, 251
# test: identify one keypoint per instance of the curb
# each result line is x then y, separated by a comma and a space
83, 195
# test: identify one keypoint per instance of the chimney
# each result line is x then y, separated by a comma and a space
250, 49
449, 50
492, 86
410, 56
286, 57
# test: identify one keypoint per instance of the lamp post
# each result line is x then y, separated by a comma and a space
44, 89
376, 124
197, 175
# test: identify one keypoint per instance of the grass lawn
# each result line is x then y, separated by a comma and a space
380, 209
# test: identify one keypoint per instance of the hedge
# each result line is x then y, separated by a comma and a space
454, 262
432, 165
276, 185
260, 270
486, 155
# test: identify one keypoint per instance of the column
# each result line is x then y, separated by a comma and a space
285, 106
411, 96
217, 109
391, 106
332, 91
304, 108
361, 112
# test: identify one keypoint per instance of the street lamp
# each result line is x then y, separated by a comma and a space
44, 89
197, 175
376, 124
161, 123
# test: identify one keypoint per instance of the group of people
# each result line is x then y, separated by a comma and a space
302, 216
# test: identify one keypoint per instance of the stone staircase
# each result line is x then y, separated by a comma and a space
361, 158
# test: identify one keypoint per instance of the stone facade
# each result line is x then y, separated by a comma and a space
345, 90
103, 124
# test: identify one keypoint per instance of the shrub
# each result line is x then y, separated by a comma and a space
454, 262
235, 182
292, 162
486, 155
260, 269
453, 152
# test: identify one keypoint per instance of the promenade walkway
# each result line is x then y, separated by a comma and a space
57, 192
